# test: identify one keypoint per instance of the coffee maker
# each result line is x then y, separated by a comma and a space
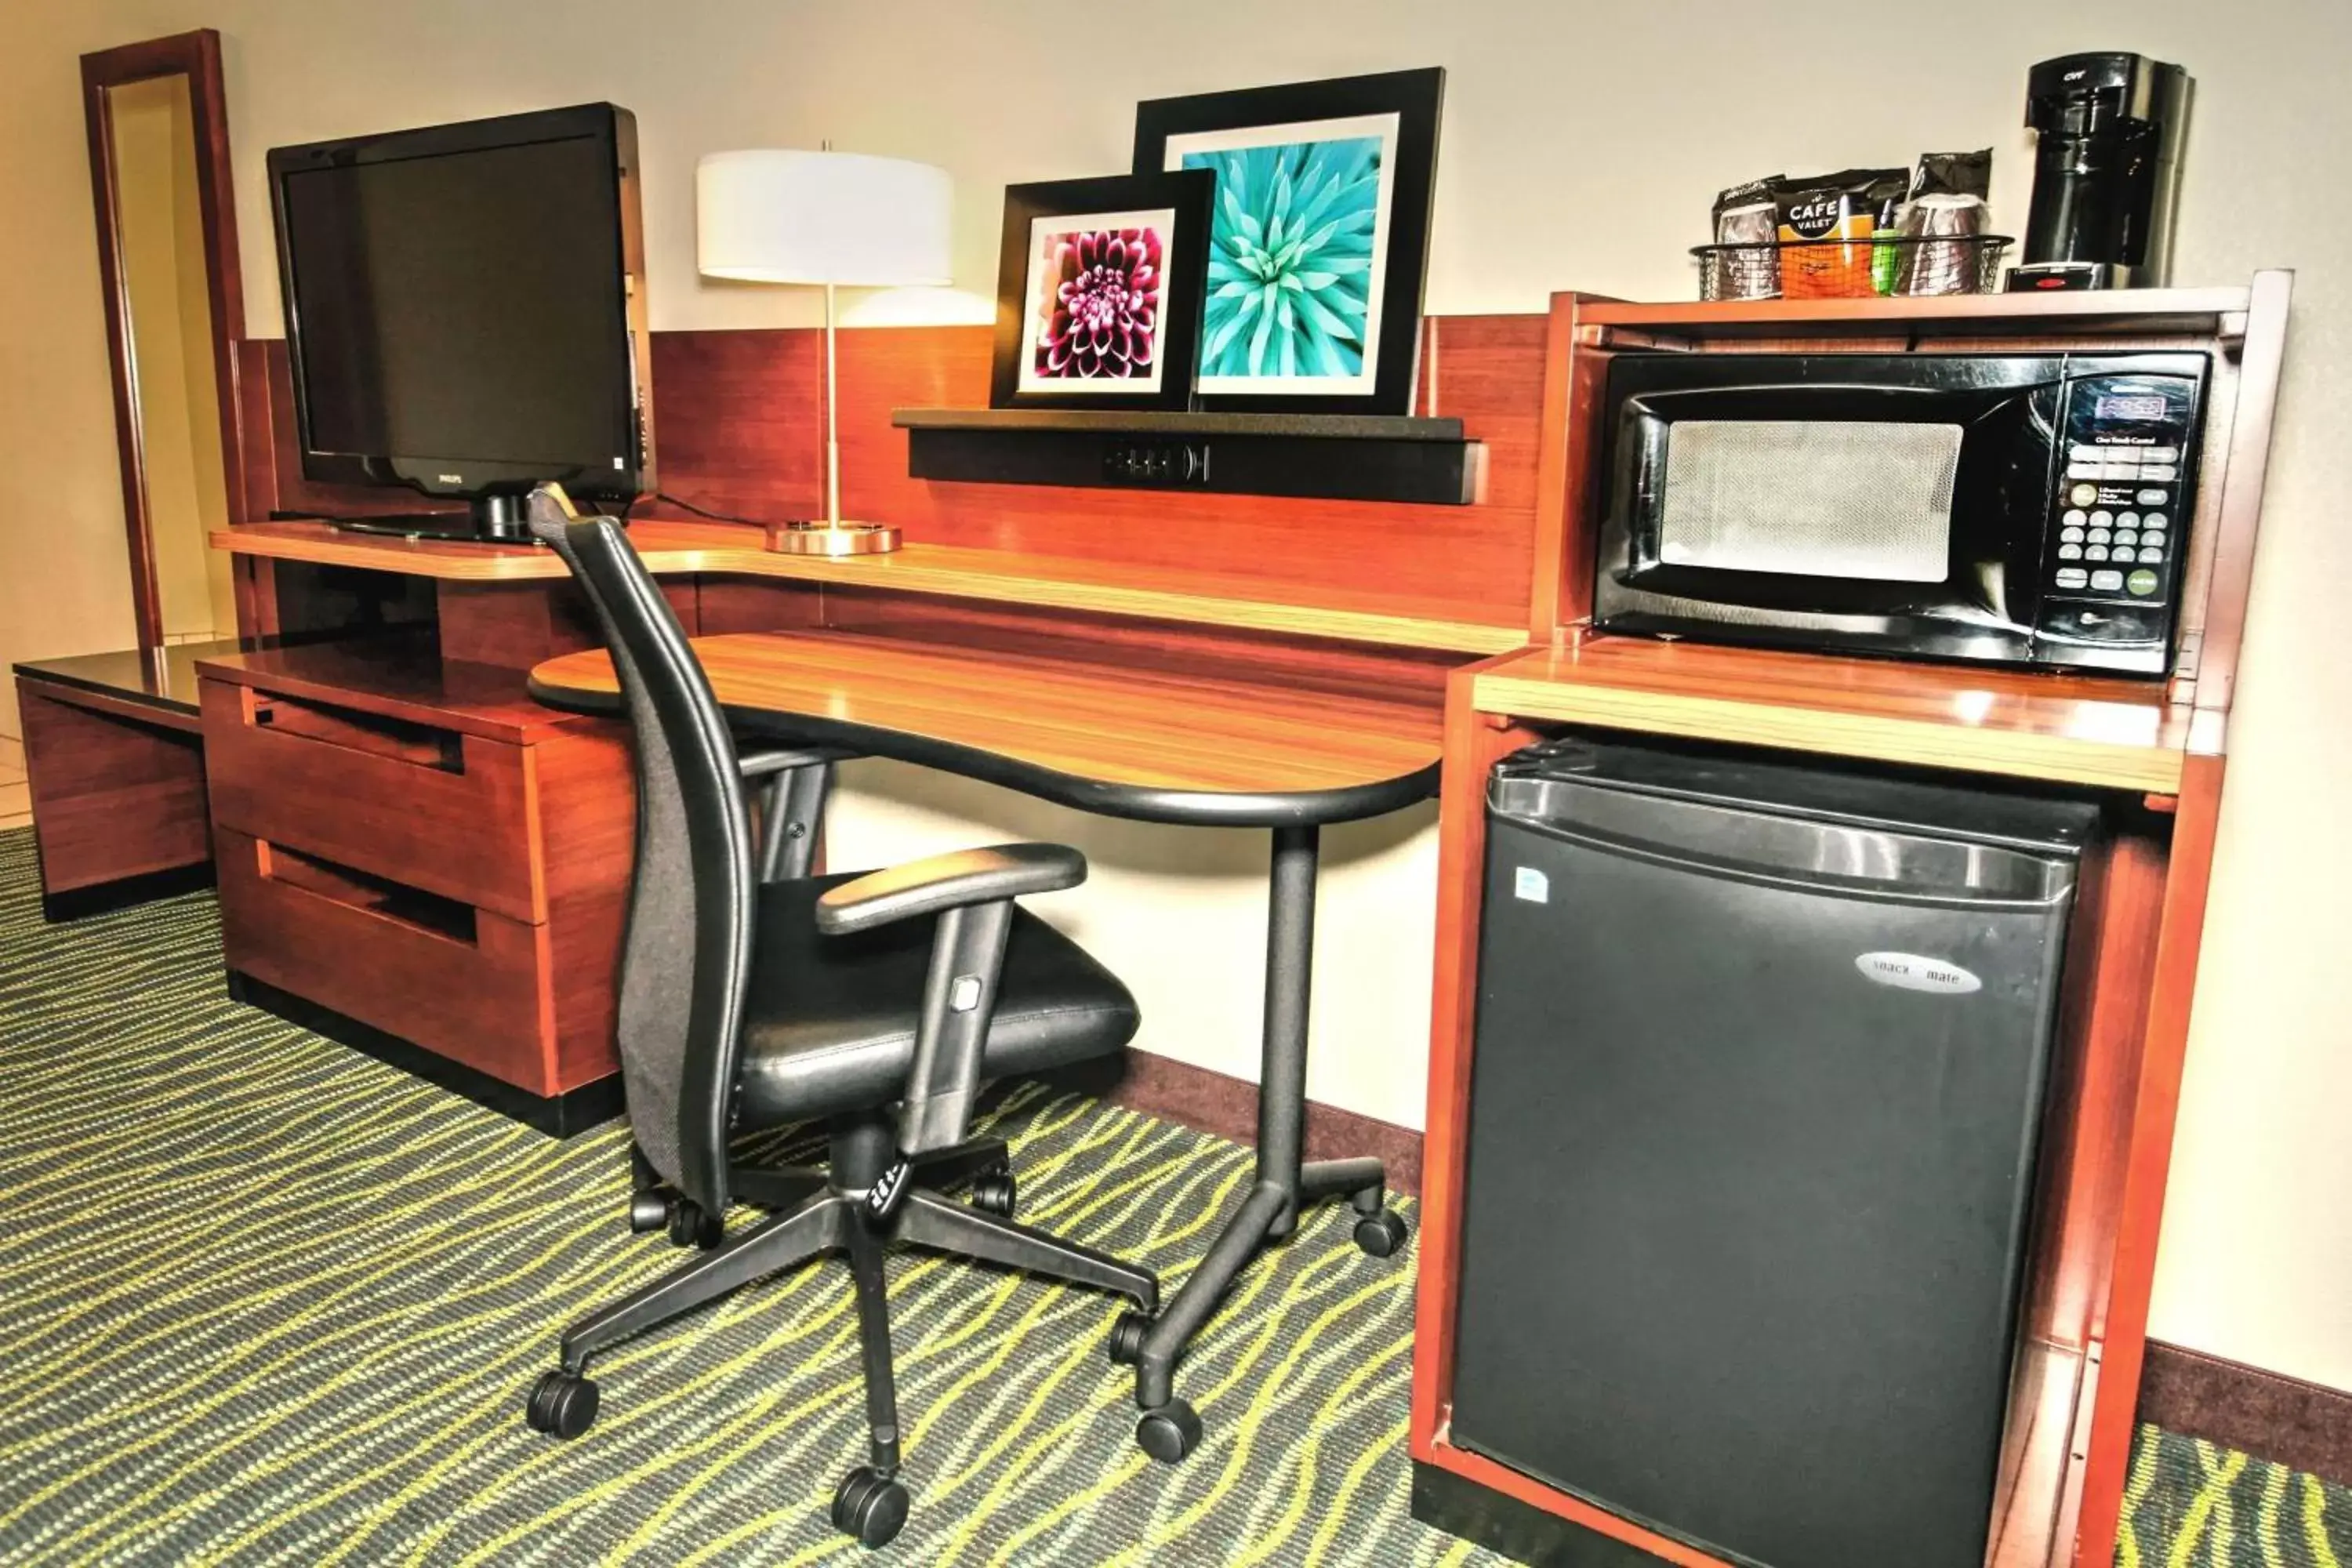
2105, 174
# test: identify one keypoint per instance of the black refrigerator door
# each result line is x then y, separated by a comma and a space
1751, 1152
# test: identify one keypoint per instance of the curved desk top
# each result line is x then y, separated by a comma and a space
1121, 741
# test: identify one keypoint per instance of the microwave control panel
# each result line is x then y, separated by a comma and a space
2119, 518
2122, 489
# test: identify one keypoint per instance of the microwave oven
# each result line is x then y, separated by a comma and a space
2028, 509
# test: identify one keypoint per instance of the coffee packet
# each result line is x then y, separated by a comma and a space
1824, 222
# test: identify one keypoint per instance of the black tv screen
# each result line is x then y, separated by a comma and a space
462, 307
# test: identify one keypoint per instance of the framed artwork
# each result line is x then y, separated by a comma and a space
1099, 292
1318, 240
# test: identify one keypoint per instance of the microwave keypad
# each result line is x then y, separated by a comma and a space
2117, 504
2117, 517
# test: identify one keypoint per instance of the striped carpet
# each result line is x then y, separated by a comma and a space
266, 1300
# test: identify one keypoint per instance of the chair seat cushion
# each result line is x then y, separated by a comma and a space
829, 1021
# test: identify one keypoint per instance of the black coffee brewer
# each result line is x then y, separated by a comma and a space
2105, 174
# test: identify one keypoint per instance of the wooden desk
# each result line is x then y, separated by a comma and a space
1111, 739
1124, 741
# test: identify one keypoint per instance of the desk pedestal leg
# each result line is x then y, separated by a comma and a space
1290, 983
1270, 1210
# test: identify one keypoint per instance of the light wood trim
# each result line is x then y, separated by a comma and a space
2111, 733
1198, 598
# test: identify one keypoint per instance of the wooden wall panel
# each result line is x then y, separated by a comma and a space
1489, 371
741, 422
741, 435
1464, 562
257, 433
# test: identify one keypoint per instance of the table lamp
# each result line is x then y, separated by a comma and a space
767, 216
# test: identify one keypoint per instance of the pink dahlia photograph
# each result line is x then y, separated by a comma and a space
1098, 305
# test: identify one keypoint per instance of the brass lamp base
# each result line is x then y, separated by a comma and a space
832, 539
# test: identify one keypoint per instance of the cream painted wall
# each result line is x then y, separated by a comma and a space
1581, 145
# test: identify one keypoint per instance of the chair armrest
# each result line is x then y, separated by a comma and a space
950, 881
971, 891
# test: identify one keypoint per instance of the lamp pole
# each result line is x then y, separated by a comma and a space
832, 426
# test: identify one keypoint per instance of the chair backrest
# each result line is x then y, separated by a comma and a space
686, 954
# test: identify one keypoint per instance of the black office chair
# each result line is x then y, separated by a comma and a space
881, 1002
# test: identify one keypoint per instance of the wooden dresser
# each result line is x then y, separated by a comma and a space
418, 846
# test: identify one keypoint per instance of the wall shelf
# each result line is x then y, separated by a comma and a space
1332, 457
2123, 312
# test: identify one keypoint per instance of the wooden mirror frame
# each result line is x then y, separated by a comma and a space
197, 57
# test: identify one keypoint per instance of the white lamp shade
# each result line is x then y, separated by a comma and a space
776, 217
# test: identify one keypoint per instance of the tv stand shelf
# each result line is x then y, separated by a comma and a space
1199, 596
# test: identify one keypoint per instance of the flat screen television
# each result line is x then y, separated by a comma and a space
465, 311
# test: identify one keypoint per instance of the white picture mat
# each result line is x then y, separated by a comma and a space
1347, 129
1163, 220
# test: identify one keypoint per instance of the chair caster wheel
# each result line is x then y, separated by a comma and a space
689, 1226
1168, 1432
868, 1507
995, 1192
1126, 1346
561, 1404
1380, 1234
649, 1210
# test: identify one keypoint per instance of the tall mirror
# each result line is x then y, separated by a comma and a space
167, 256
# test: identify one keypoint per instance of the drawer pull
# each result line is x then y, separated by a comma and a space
421, 745
411, 907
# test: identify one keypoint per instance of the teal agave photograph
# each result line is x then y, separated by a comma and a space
1290, 258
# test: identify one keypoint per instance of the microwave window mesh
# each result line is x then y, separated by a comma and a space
1870, 501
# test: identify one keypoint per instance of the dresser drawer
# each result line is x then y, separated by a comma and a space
462, 981
434, 809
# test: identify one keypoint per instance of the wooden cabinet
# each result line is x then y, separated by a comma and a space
416, 847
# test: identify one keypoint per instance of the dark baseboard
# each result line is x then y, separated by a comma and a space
558, 1116
2302, 1426
1212, 1102
105, 898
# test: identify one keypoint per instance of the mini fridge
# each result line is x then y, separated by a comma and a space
1760, 1058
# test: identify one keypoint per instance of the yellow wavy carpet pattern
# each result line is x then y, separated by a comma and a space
267, 1300
2191, 1504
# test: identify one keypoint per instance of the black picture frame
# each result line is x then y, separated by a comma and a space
1416, 99
1184, 258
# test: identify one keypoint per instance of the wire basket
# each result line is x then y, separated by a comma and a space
1896, 264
